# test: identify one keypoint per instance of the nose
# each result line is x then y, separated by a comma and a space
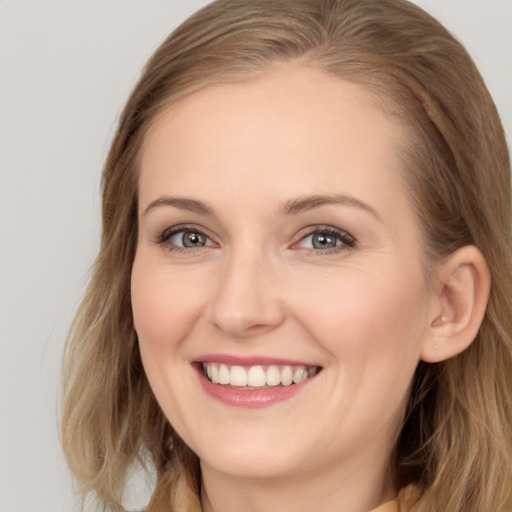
246, 302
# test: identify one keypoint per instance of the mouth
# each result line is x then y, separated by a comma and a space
253, 382
257, 377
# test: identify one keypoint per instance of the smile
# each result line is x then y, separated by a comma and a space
258, 376
253, 383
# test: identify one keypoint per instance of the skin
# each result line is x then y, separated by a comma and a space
259, 287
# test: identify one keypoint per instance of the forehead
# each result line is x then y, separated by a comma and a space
291, 127
293, 87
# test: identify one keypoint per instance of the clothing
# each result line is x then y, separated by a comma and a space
406, 498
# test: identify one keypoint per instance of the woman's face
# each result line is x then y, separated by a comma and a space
277, 242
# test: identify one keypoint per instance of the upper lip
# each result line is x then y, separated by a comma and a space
232, 360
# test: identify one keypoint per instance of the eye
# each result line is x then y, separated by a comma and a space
184, 238
327, 239
188, 239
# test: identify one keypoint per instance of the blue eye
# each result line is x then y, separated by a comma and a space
184, 238
322, 241
188, 239
327, 239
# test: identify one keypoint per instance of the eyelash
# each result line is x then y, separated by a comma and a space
347, 241
164, 238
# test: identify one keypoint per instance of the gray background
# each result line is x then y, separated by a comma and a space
66, 68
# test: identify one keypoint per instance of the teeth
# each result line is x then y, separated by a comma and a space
238, 376
299, 375
224, 377
257, 376
286, 376
215, 373
273, 376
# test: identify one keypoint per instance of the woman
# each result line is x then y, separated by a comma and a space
304, 208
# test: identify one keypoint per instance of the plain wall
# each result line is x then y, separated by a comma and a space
66, 68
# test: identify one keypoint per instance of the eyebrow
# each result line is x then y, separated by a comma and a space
181, 203
305, 203
291, 207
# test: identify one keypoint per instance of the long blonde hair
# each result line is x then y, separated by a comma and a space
456, 443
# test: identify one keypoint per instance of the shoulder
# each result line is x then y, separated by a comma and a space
407, 497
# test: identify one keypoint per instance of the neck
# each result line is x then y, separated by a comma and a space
358, 489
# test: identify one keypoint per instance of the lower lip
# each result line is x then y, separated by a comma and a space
250, 398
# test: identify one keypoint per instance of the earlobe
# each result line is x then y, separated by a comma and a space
462, 294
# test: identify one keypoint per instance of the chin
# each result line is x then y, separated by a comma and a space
252, 461
265, 468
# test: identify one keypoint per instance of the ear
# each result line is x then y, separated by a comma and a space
461, 293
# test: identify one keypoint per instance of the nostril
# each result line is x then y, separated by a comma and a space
238, 325
258, 328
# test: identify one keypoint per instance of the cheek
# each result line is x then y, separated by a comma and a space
368, 322
371, 328
165, 310
164, 305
